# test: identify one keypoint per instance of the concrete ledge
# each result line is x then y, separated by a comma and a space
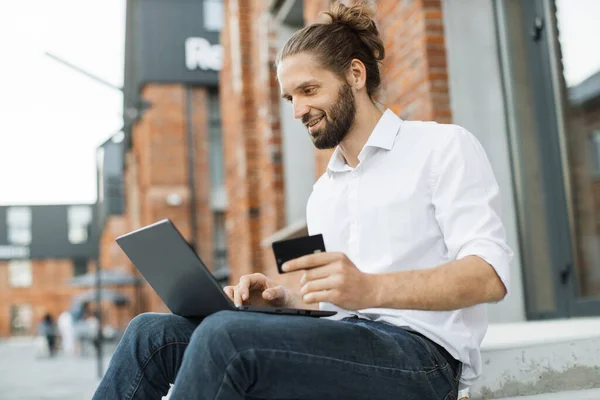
524, 334
539, 357
297, 229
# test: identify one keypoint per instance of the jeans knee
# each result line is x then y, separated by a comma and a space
227, 332
146, 322
216, 338
225, 322
153, 326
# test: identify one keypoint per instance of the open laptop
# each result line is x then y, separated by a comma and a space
179, 276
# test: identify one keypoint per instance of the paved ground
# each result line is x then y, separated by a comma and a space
26, 376
591, 394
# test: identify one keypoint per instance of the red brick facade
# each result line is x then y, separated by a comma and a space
582, 121
251, 135
49, 292
156, 167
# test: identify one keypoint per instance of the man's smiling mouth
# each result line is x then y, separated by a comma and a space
314, 122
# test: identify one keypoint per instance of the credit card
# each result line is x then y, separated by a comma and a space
290, 249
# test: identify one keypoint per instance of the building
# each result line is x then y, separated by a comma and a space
41, 249
168, 162
209, 143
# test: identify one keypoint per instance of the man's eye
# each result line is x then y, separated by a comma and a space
309, 90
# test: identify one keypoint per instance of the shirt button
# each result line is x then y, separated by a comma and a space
354, 174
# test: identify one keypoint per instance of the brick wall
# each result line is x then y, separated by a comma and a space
251, 134
267, 93
48, 293
157, 167
112, 257
585, 193
414, 71
51, 292
238, 138
204, 214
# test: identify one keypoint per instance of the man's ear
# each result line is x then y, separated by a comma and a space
357, 75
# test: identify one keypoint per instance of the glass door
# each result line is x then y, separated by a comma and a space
577, 56
551, 69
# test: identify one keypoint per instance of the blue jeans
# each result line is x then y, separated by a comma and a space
241, 355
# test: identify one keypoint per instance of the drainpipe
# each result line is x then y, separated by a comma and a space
191, 157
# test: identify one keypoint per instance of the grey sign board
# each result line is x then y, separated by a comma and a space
168, 41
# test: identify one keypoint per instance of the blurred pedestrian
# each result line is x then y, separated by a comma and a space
87, 330
66, 327
47, 329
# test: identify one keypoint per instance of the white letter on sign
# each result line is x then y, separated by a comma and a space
200, 54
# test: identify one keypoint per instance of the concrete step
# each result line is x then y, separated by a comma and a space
539, 358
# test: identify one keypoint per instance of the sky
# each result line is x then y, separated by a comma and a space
579, 30
52, 119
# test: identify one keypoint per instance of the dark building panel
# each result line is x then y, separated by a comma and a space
3, 227
168, 41
49, 230
111, 199
51, 233
164, 27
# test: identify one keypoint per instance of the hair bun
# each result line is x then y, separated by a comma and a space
359, 18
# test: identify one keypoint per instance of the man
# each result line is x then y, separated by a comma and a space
410, 216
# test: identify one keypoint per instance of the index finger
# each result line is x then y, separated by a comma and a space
229, 291
249, 281
310, 261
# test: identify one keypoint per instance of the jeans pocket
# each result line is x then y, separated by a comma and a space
451, 395
433, 353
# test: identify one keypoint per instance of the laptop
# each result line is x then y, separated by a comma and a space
180, 278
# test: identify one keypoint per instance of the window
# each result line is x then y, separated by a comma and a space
80, 266
19, 225
217, 170
595, 148
79, 220
19, 273
213, 15
100, 167
21, 319
220, 241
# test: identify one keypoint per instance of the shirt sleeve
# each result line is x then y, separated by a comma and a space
466, 199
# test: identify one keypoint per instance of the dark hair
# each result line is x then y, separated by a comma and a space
350, 33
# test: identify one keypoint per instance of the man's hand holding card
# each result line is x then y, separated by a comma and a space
328, 277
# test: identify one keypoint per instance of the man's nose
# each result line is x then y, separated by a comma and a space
300, 109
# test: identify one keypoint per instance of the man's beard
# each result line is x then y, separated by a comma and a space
342, 114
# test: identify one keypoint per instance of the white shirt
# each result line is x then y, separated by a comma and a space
422, 195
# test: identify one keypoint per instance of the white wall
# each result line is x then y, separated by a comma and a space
298, 155
477, 103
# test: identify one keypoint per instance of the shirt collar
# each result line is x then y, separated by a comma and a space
383, 136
